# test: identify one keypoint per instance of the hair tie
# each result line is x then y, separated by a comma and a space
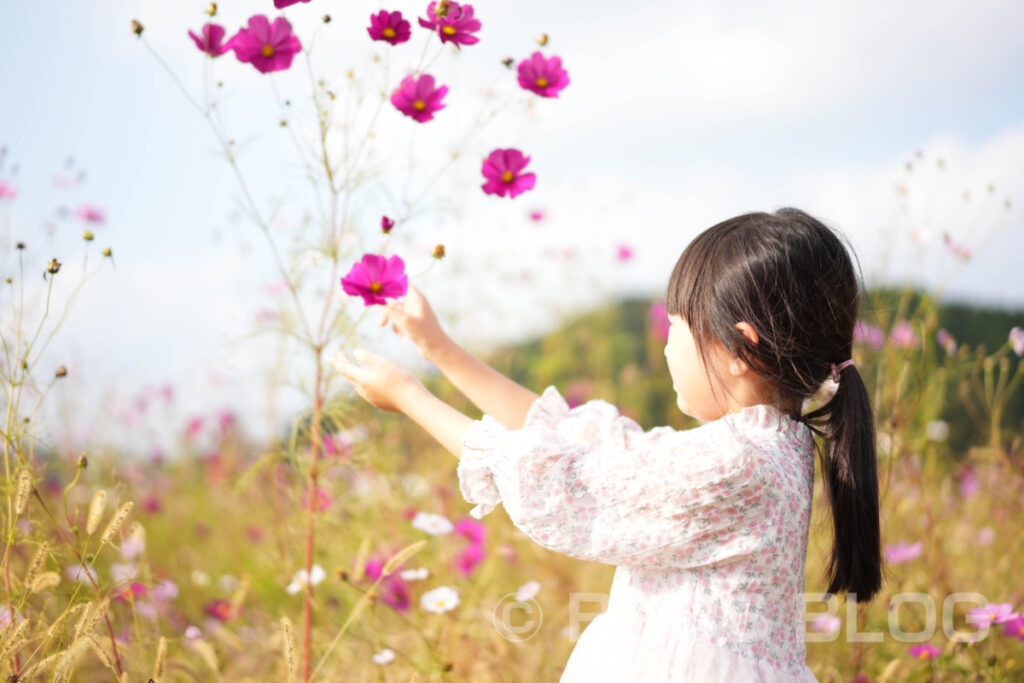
837, 368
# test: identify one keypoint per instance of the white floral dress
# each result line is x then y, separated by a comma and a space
707, 528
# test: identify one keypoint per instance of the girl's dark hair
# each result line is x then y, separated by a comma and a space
790, 277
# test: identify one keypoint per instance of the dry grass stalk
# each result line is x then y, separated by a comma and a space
96, 508
161, 659
116, 522
289, 648
24, 489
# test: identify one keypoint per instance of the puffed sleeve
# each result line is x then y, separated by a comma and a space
687, 498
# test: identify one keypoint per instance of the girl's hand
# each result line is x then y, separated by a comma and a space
415, 320
382, 382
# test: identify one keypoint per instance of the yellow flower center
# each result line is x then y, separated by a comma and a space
440, 603
508, 176
448, 30
389, 32
923, 654
267, 51
542, 82
375, 287
419, 105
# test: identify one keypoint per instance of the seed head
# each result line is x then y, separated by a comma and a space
107, 252
54, 266
99, 502
439, 251
212, 9
137, 28
62, 372
87, 235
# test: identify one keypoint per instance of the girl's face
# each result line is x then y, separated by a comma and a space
690, 378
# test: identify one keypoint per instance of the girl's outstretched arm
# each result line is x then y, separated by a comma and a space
390, 387
488, 389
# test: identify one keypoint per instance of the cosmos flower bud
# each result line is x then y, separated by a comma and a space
62, 372
54, 266
83, 461
87, 235
439, 251
212, 9
327, 18
20, 245
543, 40
386, 224
508, 62
106, 251
136, 28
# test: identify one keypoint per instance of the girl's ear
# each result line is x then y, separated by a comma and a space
736, 366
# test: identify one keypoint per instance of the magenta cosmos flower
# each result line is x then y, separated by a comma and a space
546, 77
924, 651
454, 12
1014, 627
281, 4
212, 40
389, 27
91, 214
375, 278
459, 29
418, 98
267, 47
502, 170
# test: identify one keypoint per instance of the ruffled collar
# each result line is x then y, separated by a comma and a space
765, 417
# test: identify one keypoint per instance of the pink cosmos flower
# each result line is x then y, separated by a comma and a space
321, 501
122, 592
903, 335
868, 334
992, 613
386, 224
472, 555
1017, 340
393, 590
221, 609
267, 47
376, 278
898, 553
825, 623
195, 425
212, 40
624, 252
958, 249
658, 320
924, 651
502, 170
335, 445
389, 27
7, 191
454, 11
417, 97
472, 529
90, 214
546, 77
281, 4
459, 29
946, 341
969, 483
1014, 627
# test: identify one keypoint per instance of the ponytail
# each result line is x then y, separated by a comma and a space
850, 477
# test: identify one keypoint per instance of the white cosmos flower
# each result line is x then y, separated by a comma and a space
936, 430
384, 656
441, 599
414, 574
528, 590
435, 525
301, 578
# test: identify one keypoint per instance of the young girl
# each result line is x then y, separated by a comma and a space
707, 527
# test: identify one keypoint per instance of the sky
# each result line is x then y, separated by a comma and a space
895, 123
